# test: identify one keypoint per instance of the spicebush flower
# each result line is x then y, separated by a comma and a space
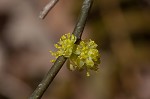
65, 46
82, 56
86, 56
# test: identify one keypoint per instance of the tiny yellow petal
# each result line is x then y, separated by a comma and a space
53, 61
87, 74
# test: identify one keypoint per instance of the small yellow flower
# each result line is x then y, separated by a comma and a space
65, 46
86, 56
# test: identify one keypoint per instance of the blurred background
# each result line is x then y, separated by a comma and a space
121, 28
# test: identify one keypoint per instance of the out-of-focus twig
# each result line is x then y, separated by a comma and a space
39, 91
47, 8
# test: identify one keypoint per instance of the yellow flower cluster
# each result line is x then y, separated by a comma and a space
65, 46
86, 56
82, 56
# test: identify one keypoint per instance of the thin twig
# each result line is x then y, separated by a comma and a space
39, 91
78, 30
47, 8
